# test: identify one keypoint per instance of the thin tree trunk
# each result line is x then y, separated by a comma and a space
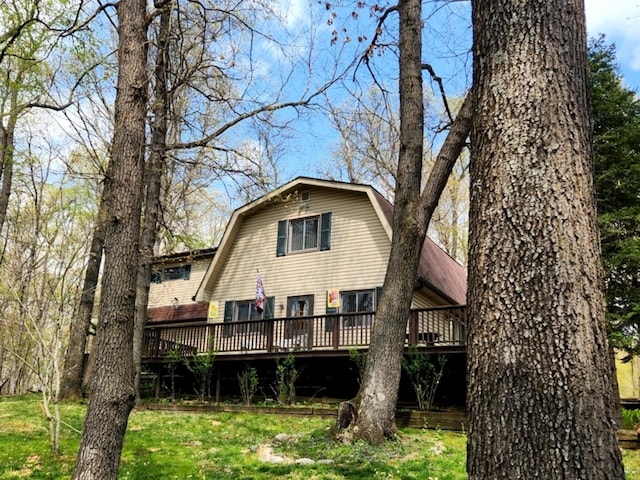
6, 158
376, 412
616, 407
455, 227
378, 393
112, 384
153, 176
71, 382
379, 390
539, 386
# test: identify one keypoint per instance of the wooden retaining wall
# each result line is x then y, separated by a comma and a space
629, 439
454, 421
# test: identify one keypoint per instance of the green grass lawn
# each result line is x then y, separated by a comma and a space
167, 445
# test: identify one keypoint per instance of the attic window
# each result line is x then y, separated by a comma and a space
305, 196
304, 234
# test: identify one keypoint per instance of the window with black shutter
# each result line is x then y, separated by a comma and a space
306, 234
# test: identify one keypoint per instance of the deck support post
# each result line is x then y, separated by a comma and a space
218, 385
413, 329
159, 382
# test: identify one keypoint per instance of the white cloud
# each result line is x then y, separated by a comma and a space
294, 12
622, 16
619, 20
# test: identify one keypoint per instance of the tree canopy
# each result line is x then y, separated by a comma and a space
616, 111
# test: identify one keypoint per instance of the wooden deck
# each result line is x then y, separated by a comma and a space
440, 328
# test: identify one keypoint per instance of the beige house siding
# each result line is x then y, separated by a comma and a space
356, 260
628, 376
425, 299
161, 294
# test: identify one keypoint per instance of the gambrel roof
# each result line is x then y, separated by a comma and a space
437, 270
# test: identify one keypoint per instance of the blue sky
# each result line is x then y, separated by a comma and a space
618, 20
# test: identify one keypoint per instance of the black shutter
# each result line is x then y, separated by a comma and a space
281, 248
227, 330
378, 295
325, 231
328, 322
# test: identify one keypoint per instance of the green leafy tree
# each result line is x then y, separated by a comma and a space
201, 366
286, 376
248, 382
424, 376
359, 359
616, 111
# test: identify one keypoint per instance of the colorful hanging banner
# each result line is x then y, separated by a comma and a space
213, 310
333, 298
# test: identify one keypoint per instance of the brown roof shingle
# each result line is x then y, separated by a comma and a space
437, 268
192, 311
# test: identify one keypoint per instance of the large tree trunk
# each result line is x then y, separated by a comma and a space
539, 387
378, 393
112, 385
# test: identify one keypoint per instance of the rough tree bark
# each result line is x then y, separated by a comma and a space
378, 393
112, 386
381, 378
539, 389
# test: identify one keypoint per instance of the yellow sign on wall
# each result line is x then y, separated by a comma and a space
213, 309
333, 298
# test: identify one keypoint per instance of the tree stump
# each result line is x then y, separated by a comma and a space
347, 416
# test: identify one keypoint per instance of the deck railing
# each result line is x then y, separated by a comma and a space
437, 326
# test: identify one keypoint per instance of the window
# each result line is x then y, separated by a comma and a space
304, 234
182, 272
245, 311
361, 301
301, 306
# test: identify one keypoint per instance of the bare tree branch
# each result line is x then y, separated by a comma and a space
447, 157
438, 80
374, 44
252, 113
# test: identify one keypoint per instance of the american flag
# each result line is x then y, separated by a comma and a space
259, 294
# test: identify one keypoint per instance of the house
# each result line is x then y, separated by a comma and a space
174, 279
628, 376
299, 271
